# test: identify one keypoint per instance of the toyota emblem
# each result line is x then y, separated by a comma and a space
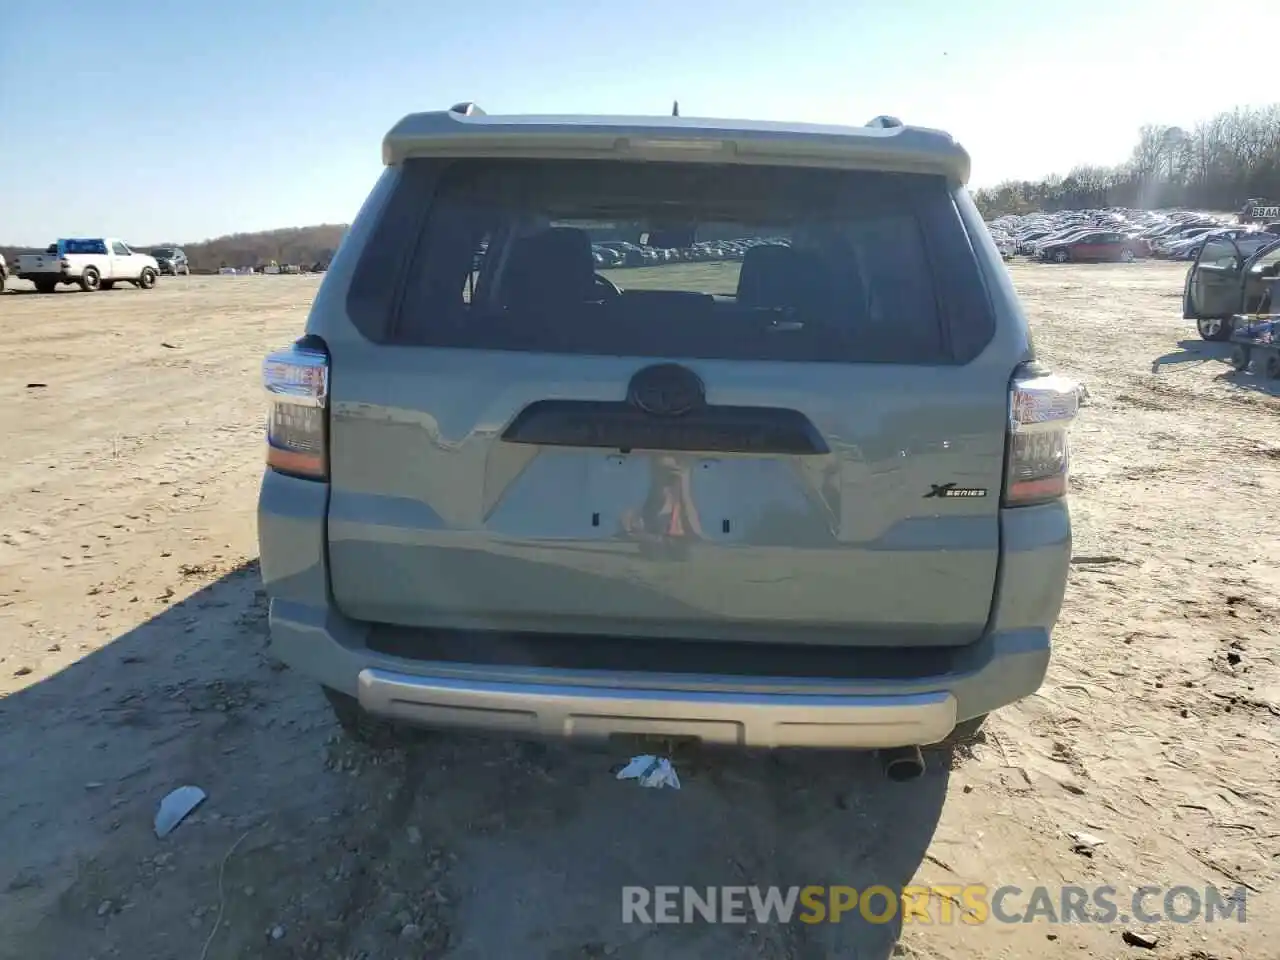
666, 390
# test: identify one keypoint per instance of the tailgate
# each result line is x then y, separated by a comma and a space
772, 426
39, 263
441, 515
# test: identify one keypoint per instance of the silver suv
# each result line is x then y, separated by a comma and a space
793, 479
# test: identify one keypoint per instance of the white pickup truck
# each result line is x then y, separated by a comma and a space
96, 263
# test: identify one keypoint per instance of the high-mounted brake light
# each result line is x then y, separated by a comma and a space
1041, 411
676, 145
297, 384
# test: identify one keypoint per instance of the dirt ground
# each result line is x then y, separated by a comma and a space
134, 658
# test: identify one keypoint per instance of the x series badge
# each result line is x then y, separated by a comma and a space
949, 491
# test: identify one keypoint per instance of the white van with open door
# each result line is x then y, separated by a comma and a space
1228, 277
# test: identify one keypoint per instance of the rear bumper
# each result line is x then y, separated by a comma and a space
574, 711
885, 705
740, 710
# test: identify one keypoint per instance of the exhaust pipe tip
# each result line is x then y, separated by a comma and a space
901, 764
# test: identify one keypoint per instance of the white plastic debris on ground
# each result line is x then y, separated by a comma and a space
1084, 839
175, 807
651, 771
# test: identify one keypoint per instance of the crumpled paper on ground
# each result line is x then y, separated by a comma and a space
651, 771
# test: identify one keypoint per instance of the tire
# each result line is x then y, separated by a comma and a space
360, 727
1213, 329
1272, 368
146, 279
44, 286
1061, 255
1240, 357
1126, 256
90, 280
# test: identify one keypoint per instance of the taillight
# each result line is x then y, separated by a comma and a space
1041, 411
297, 384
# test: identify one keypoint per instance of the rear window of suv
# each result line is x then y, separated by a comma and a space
772, 263
84, 246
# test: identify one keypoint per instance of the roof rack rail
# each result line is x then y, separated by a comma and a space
884, 121
467, 109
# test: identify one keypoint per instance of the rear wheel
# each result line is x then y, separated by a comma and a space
1272, 369
1240, 357
147, 279
90, 280
362, 727
1126, 255
1215, 329
1061, 255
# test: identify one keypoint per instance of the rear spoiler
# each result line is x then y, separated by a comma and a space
884, 144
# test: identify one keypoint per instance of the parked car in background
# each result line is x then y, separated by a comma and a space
1167, 245
96, 263
1166, 233
1140, 245
815, 498
619, 253
1005, 244
171, 261
1091, 247
1026, 240
1057, 238
1180, 230
1248, 240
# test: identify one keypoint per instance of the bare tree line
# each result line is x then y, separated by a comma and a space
1218, 165
299, 245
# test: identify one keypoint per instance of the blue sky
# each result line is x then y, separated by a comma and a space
181, 121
